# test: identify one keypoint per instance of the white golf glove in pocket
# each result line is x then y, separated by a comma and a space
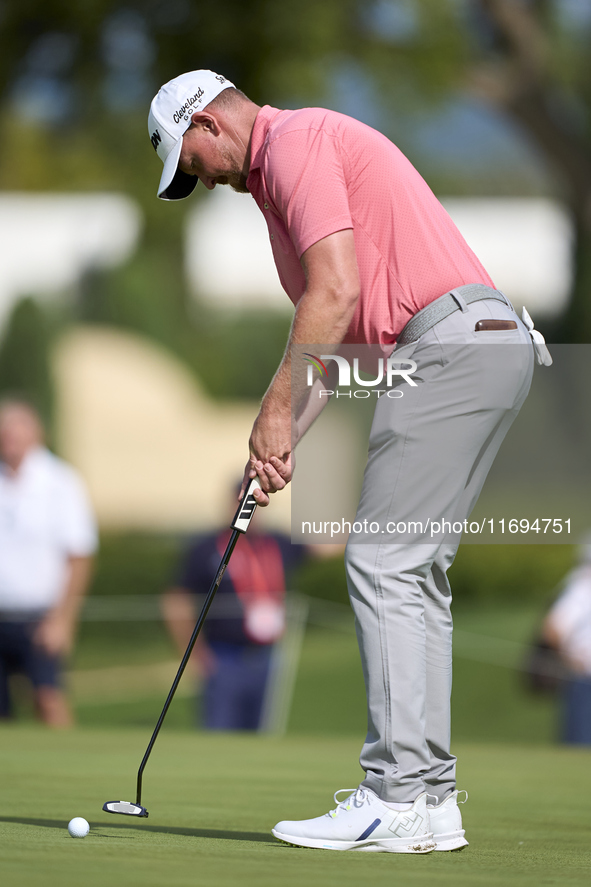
543, 356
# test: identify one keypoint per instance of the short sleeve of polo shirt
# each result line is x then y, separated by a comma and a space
77, 526
74, 520
305, 178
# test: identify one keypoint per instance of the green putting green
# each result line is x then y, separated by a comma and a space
214, 797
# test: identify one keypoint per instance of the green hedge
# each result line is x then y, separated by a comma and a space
510, 572
135, 563
483, 573
146, 564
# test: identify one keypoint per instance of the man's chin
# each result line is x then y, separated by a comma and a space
236, 181
239, 186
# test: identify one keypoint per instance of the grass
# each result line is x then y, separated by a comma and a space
490, 701
213, 799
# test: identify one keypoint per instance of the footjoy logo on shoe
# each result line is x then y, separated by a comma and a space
408, 825
388, 371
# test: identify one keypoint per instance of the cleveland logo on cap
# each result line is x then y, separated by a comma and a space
182, 111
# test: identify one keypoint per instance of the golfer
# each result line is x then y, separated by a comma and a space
368, 256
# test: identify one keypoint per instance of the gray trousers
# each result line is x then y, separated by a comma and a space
429, 454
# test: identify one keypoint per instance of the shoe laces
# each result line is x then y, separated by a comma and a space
357, 797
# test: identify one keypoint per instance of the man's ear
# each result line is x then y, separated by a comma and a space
205, 122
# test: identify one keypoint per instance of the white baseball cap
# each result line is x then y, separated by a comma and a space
169, 119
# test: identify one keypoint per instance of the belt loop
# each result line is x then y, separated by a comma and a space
462, 305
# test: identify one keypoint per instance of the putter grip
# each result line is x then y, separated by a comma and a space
247, 507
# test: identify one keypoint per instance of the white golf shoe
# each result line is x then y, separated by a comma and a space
363, 822
445, 821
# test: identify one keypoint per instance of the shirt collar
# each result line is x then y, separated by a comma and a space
32, 461
260, 129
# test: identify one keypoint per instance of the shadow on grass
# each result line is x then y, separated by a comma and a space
222, 835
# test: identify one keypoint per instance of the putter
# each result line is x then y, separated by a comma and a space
240, 524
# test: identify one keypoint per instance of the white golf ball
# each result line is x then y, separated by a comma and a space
78, 827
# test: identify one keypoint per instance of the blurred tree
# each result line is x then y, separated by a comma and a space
141, 296
528, 59
77, 78
534, 63
24, 358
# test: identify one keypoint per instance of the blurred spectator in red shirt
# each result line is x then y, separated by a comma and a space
246, 619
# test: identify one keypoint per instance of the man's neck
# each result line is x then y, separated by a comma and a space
240, 131
14, 466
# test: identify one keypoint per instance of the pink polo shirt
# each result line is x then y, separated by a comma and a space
314, 172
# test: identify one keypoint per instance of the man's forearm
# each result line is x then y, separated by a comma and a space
314, 402
55, 634
320, 318
323, 316
179, 615
80, 569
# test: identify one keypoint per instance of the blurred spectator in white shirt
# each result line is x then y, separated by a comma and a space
567, 629
47, 539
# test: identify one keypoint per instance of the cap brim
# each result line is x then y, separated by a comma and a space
175, 184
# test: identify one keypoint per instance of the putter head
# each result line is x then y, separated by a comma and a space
125, 807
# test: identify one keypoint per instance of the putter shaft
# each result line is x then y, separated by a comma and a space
208, 601
240, 524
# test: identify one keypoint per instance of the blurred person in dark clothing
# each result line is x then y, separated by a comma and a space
47, 539
567, 629
246, 619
